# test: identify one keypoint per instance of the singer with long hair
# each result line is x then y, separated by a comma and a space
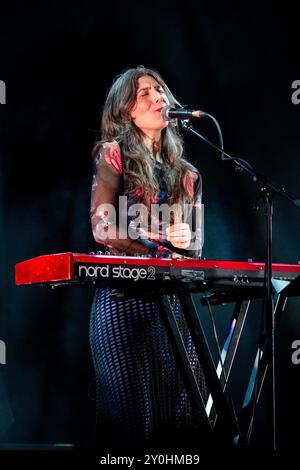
140, 397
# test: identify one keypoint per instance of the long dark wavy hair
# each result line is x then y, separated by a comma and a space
138, 162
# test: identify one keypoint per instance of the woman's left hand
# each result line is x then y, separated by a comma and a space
179, 235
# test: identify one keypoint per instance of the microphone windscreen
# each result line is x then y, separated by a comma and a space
165, 113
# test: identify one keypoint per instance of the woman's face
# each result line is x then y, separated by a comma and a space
146, 112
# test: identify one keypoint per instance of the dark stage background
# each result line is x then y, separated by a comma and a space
57, 63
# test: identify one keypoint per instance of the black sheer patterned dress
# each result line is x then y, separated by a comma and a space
140, 397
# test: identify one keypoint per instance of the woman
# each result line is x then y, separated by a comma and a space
140, 395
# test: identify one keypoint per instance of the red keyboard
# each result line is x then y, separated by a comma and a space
198, 274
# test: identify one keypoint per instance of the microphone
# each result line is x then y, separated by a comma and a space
168, 113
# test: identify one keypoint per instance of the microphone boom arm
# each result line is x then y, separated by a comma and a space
242, 165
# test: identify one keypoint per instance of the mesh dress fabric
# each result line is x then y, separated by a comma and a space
140, 396
139, 392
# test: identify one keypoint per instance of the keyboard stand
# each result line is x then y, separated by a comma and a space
226, 427
217, 415
182, 361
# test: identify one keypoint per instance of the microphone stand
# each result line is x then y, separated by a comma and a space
267, 190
